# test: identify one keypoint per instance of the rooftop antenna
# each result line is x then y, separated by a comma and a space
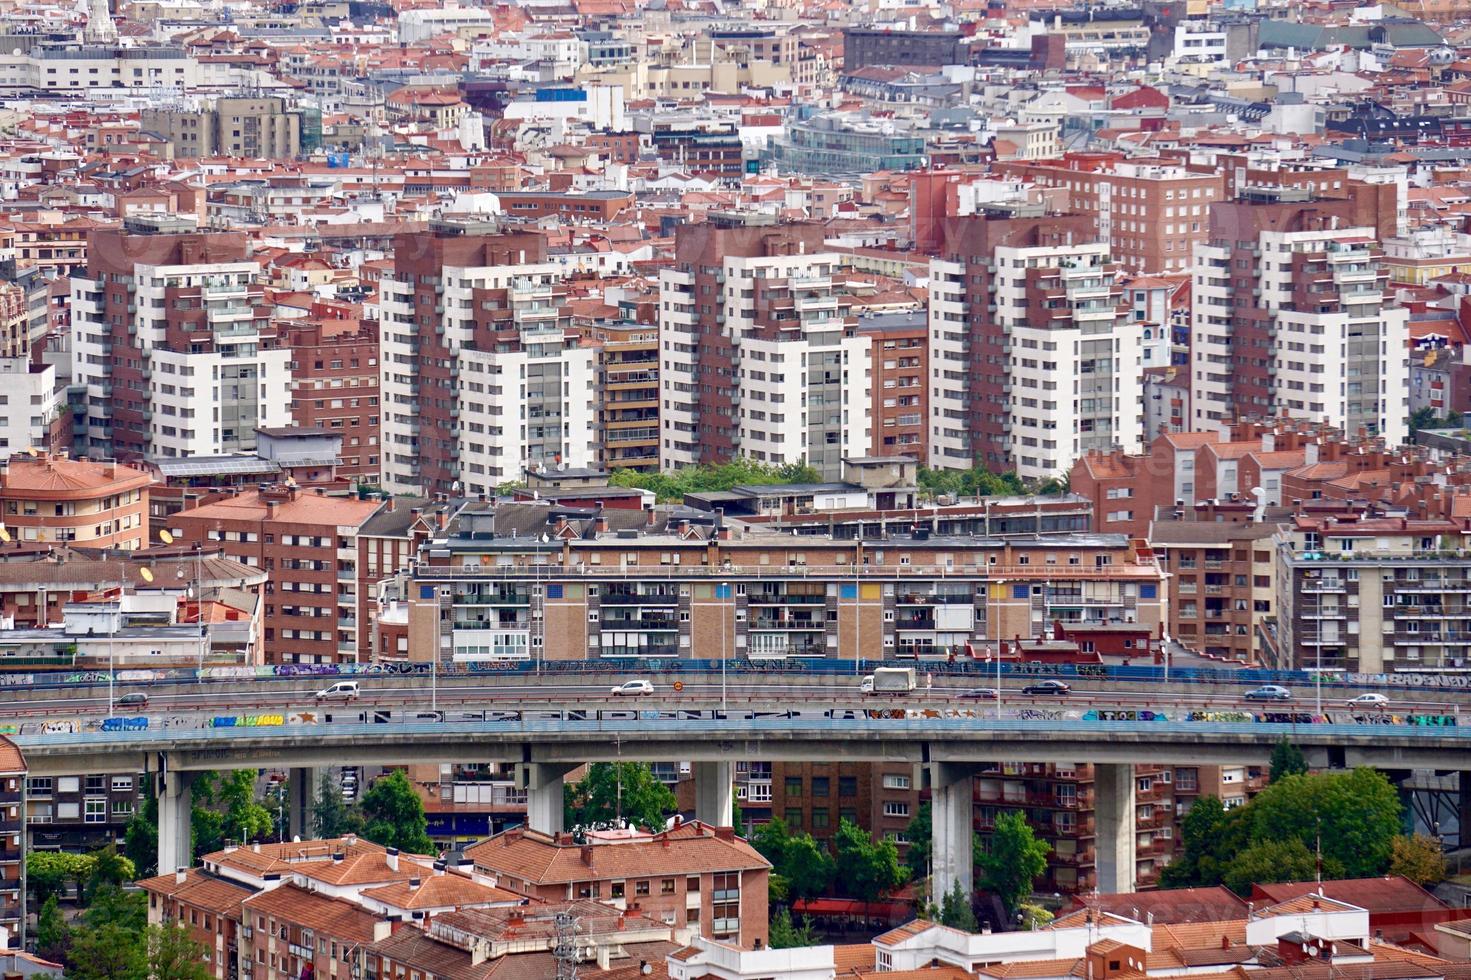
565, 952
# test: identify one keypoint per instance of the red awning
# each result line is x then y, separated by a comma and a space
848, 906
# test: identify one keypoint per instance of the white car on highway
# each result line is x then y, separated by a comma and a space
635, 688
1369, 700
341, 691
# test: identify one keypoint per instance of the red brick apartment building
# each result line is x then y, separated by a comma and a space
334, 382
74, 501
900, 391
692, 874
307, 544
1151, 212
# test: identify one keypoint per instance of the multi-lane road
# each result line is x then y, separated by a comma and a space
677, 691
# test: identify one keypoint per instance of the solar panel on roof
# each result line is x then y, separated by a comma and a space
215, 466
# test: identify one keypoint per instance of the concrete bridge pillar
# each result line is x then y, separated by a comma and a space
543, 783
715, 793
175, 805
1114, 832
952, 828
301, 797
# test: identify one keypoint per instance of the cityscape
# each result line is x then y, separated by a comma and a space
714, 490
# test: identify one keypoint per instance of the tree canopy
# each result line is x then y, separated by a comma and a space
955, 910
393, 815
671, 487
1419, 858
1348, 821
866, 869
803, 866
614, 789
981, 482
785, 935
1287, 760
1015, 860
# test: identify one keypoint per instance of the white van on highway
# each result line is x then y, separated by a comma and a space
341, 691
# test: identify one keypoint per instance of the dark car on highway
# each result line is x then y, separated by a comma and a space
134, 699
1047, 687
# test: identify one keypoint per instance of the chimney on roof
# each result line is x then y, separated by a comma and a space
388, 506
390, 857
415, 881
586, 854
255, 846
338, 857
441, 518
350, 840
270, 510
648, 515
181, 876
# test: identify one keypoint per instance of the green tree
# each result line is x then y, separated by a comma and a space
1418, 858
1200, 831
331, 816
955, 910
1287, 760
1422, 418
807, 867
866, 869
48, 872
244, 817
804, 868
393, 815
919, 833
1034, 916
1355, 815
109, 870
114, 906
107, 952
614, 789
173, 954
51, 932
1269, 861
140, 838
1015, 860
770, 840
784, 935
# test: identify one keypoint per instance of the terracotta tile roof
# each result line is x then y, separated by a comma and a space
908, 930
54, 474
1191, 440
854, 957
1307, 903
1390, 893
1036, 969
690, 848
1174, 905
441, 891
363, 862
334, 917
200, 890
1199, 935
12, 759
307, 508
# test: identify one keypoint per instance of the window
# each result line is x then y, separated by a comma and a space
820, 785
893, 809
666, 886
640, 887
794, 786
96, 811
793, 817
819, 818
896, 782
847, 785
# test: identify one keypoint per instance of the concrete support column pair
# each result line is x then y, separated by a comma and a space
714, 794
952, 827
